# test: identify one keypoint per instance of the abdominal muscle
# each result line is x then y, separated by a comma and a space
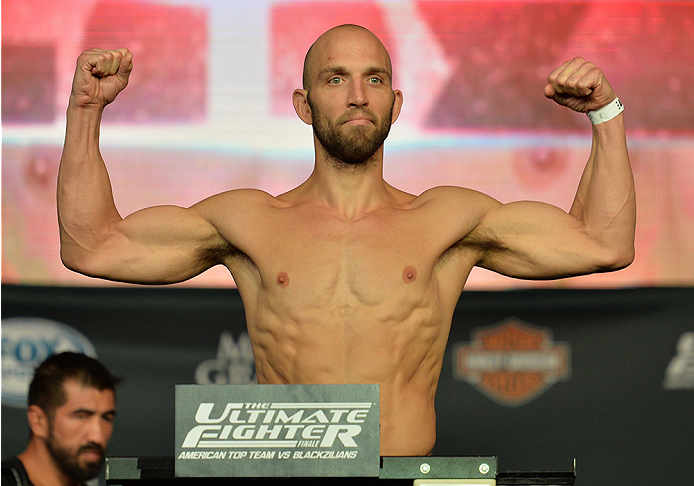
400, 347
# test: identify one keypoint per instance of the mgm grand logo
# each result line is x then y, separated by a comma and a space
243, 426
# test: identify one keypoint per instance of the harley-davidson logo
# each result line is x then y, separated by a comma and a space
512, 362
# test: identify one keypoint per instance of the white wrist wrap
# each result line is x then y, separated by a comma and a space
607, 112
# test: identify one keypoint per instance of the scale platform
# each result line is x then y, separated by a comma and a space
416, 471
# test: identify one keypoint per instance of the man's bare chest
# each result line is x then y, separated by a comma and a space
324, 261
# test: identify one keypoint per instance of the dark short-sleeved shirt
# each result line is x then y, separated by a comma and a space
14, 474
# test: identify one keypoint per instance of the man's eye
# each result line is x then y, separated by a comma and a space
375, 80
335, 80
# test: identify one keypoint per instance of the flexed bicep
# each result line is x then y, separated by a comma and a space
535, 240
157, 245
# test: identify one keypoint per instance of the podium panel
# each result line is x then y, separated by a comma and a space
157, 471
411, 471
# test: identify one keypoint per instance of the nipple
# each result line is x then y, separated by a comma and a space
283, 280
409, 275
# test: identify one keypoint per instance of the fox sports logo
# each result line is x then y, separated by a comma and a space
26, 342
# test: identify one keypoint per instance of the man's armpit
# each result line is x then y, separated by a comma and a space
220, 253
473, 247
481, 242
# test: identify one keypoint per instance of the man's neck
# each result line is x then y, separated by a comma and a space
350, 190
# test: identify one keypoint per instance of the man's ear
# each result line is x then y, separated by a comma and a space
397, 105
38, 421
301, 106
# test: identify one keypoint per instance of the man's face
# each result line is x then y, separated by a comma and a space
350, 96
80, 430
344, 140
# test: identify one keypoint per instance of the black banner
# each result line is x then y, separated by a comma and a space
535, 377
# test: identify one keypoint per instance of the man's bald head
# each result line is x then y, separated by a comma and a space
337, 33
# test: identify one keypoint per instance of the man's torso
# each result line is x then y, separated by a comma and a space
370, 300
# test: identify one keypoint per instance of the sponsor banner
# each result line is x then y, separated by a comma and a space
233, 365
26, 343
512, 362
277, 430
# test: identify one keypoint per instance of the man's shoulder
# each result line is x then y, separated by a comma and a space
461, 197
237, 201
13, 473
452, 191
246, 195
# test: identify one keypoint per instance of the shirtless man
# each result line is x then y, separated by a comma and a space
346, 279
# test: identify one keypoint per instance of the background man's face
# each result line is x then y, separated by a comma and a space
80, 429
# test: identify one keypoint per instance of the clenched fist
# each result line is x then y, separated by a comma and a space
579, 85
99, 77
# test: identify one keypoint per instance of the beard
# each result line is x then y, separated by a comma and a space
352, 146
69, 461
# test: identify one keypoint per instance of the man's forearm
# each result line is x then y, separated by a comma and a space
85, 201
605, 200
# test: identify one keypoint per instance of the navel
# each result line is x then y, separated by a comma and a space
282, 279
409, 275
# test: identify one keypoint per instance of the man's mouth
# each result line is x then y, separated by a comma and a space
359, 119
92, 454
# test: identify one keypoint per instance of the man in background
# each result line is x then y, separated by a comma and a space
72, 405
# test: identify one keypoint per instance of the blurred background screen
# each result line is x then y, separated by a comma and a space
208, 109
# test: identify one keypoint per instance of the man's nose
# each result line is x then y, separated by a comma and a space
357, 95
99, 432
